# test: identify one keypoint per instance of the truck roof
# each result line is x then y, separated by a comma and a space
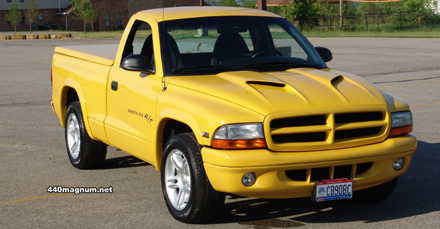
173, 13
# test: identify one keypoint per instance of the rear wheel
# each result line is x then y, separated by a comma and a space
376, 193
84, 152
189, 196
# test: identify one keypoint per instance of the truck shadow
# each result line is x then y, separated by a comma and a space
416, 194
123, 162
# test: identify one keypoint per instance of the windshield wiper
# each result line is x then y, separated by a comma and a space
278, 64
205, 68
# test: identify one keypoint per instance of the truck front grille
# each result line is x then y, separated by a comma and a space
327, 131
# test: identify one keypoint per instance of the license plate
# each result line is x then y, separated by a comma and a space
334, 189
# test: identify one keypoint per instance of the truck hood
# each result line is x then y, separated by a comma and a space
294, 89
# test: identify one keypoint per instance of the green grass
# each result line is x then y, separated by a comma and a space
105, 34
374, 30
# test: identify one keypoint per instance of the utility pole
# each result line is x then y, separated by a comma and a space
341, 19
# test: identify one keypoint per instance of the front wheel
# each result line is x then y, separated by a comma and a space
84, 152
189, 196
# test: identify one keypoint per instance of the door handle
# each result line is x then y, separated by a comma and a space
114, 85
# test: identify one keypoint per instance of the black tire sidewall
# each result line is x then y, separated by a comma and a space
178, 143
75, 108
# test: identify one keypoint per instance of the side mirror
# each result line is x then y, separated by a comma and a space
325, 53
137, 62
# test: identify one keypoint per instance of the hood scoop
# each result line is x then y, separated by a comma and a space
276, 89
266, 83
337, 80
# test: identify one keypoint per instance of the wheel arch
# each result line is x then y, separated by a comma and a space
72, 92
172, 125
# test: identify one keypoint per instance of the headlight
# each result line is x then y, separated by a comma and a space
239, 136
401, 123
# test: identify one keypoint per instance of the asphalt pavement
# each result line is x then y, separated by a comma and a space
33, 156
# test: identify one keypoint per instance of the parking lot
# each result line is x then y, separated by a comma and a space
33, 156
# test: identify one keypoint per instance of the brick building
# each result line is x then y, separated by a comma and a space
112, 14
47, 15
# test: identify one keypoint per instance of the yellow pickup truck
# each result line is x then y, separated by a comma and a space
230, 101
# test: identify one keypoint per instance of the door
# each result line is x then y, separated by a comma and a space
131, 99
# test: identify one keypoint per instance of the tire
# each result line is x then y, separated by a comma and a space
376, 193
188, 194
83, 152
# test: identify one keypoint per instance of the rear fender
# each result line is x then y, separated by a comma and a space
74, 85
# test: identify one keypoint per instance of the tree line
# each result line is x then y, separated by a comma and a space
83, 10
305, 12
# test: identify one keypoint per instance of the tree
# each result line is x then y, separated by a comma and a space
83, 11
229, 3
326, 9
92, 15
31, 13
235, 3
14, 16
419, 6
305, 12
249, 3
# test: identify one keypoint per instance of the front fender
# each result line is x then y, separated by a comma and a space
201, 112
182, 116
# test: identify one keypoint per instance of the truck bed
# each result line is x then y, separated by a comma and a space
102, 54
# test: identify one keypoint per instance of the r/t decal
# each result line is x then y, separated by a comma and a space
147, 117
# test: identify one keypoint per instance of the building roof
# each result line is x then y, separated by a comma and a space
42, 4
66, 11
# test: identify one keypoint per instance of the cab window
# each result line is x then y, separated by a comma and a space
140, 41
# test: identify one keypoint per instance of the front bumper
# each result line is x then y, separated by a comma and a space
225, 168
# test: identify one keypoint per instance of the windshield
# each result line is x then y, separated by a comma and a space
217, 44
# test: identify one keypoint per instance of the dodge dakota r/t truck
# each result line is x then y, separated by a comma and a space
230, 101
